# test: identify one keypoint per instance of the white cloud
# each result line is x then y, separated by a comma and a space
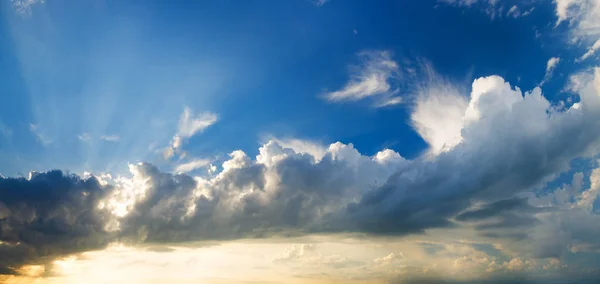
591, 51
321, 2
390, 102
192, 165
24, 6
583, 17
110, 138
389, 259
35, 130
371, 78
189, 125
85, 137
550, 67
438, 116
314, 149
494, 8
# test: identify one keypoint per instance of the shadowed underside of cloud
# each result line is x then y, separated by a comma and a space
504, 144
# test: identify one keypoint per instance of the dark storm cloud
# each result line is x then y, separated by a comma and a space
49, 215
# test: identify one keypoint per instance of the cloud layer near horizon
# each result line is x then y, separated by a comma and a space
503, 143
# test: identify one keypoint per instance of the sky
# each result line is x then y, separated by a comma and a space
300, 141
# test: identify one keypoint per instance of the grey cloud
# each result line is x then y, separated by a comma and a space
517, 144
49, 215
493, 209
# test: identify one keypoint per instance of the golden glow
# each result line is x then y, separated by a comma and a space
31, 270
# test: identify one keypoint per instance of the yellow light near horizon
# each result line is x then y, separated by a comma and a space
65, 265
32, 270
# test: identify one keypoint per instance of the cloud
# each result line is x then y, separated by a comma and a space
189, 125
494, 8
438, 116
85, 137
314, 149
591, 51
24, 6
550, 67
389, 259
110, 138
35, 130
48, 215
583, 17
192, 165
370, 79
509, 143
320, 3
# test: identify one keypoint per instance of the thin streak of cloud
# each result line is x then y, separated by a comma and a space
110, 138
591, 51
192, 165
550, 67
371, 78
85, 137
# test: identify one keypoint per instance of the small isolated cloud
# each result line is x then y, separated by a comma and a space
85, 137
320, 3
192, 165
515, 12
371, 78
24, 6
189, 125
591, 51
110, 138
35, 130
550, 66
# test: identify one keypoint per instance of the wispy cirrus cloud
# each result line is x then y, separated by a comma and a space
110, 138
35, 130
192, 165
24, 6
189, 125
371, 78
320, 3
550, 67
85, 137
591, 51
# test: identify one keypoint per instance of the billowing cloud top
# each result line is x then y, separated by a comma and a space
499, 144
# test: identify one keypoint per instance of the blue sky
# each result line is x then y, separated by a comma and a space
321, 140
113, 68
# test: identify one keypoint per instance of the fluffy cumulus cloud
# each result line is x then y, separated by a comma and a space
499, 143
372, 78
